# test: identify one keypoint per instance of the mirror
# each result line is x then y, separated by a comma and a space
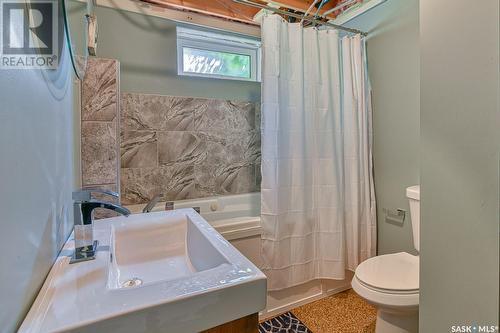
79, 19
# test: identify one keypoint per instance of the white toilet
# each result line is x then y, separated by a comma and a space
391, 283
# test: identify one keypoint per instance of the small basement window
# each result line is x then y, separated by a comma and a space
217, 55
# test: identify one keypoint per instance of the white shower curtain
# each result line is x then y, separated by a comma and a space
318, 201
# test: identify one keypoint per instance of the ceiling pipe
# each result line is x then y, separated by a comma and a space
308, 18
342, 5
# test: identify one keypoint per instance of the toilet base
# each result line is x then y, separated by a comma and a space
396, 322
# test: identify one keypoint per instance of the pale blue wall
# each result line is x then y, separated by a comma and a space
460, 141
36, 180
146, 48
393, 65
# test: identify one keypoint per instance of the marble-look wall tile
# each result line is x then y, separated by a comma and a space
139, 185
178, 147
154, 112
227, 162
225, 115
235, 179
258, 117
224, 150
100, 90
180, 116
178, 182
99, 153
100, 126
205, 147
139, 149
252, 149
231, 178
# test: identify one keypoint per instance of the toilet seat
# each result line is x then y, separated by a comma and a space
393, 273
389, 280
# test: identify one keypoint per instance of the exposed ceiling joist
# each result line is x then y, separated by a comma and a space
228, 9
303, 5
220, 8
297, 5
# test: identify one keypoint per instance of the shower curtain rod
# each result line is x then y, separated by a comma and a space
305, 18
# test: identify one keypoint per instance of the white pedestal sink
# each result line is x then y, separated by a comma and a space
157, 272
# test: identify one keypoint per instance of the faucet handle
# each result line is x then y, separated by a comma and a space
86, 194
169, 205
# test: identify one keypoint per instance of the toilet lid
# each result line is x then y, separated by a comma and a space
396, 272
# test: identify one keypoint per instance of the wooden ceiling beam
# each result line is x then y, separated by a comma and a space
220, 8
228, 9
303, 5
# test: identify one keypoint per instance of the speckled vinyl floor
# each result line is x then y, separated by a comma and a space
345, 312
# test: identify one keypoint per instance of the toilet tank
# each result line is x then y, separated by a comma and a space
413, 195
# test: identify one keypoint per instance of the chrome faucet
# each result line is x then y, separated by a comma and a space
151, 205
83, 208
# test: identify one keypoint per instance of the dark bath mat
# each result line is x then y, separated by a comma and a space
285, 323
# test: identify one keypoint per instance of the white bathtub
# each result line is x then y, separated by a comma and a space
233, 216
237, 218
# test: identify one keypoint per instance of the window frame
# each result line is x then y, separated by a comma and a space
218, 42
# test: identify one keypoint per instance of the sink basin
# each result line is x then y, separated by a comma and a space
144, 252
156, 272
